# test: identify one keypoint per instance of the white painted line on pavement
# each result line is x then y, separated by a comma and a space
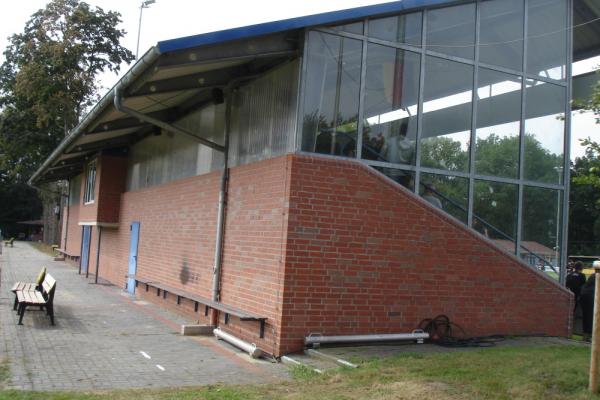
145, 354
160, 367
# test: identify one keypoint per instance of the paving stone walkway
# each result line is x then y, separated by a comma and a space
106, 339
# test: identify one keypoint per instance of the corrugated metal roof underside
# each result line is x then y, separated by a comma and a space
172, 87
586, 38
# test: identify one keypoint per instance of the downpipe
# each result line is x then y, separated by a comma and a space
249, 348
218, 257
216, 283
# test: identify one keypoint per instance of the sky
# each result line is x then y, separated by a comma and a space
168, 19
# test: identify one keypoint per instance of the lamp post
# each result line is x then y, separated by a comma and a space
145, 4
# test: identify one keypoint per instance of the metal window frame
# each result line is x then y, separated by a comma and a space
567, 149
90, 183
520, 182
474, 105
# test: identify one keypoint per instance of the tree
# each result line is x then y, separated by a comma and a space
47, 82
584, 218
494, 203
584, 211
592, 177
51, 67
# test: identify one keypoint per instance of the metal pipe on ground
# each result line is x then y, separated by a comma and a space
316, 339
249, 348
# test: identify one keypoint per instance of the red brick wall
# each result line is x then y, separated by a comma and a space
177, 225
113, 257
357, 254
177, 241
73, 236
111, 184
366, 256
255, 237
111, 174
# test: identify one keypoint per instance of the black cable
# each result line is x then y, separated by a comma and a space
449, 334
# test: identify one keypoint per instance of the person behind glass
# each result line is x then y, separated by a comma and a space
575, 281
570, 267
397, 149
430, 196
586, 299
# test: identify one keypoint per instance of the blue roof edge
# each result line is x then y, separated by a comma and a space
330, 17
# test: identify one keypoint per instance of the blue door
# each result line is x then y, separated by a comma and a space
133, 252
85, 248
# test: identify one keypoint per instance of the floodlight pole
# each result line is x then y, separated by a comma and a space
144, 4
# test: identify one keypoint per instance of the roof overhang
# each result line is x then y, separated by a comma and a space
166, 87
178, 76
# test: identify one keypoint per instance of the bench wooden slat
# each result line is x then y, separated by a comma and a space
243, 315
64, 252
26, 286
32, 298
228, 310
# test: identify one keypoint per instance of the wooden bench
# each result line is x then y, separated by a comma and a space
163, 290
75, 257
43, 299
10, 242
29, 286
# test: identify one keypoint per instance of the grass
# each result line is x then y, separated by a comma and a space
548, 373
43, 247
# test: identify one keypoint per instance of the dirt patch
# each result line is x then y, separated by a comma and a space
4, 373
412, 390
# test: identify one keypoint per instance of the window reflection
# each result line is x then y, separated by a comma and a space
547, 38
403, 177
354, 27
544, 131
495, 212
451, 30
446, 114
399, 28
448, 193
541, 227
331, 98
391, 98
501, 33
498, 124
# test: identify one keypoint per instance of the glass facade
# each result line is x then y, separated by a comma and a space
464, 105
